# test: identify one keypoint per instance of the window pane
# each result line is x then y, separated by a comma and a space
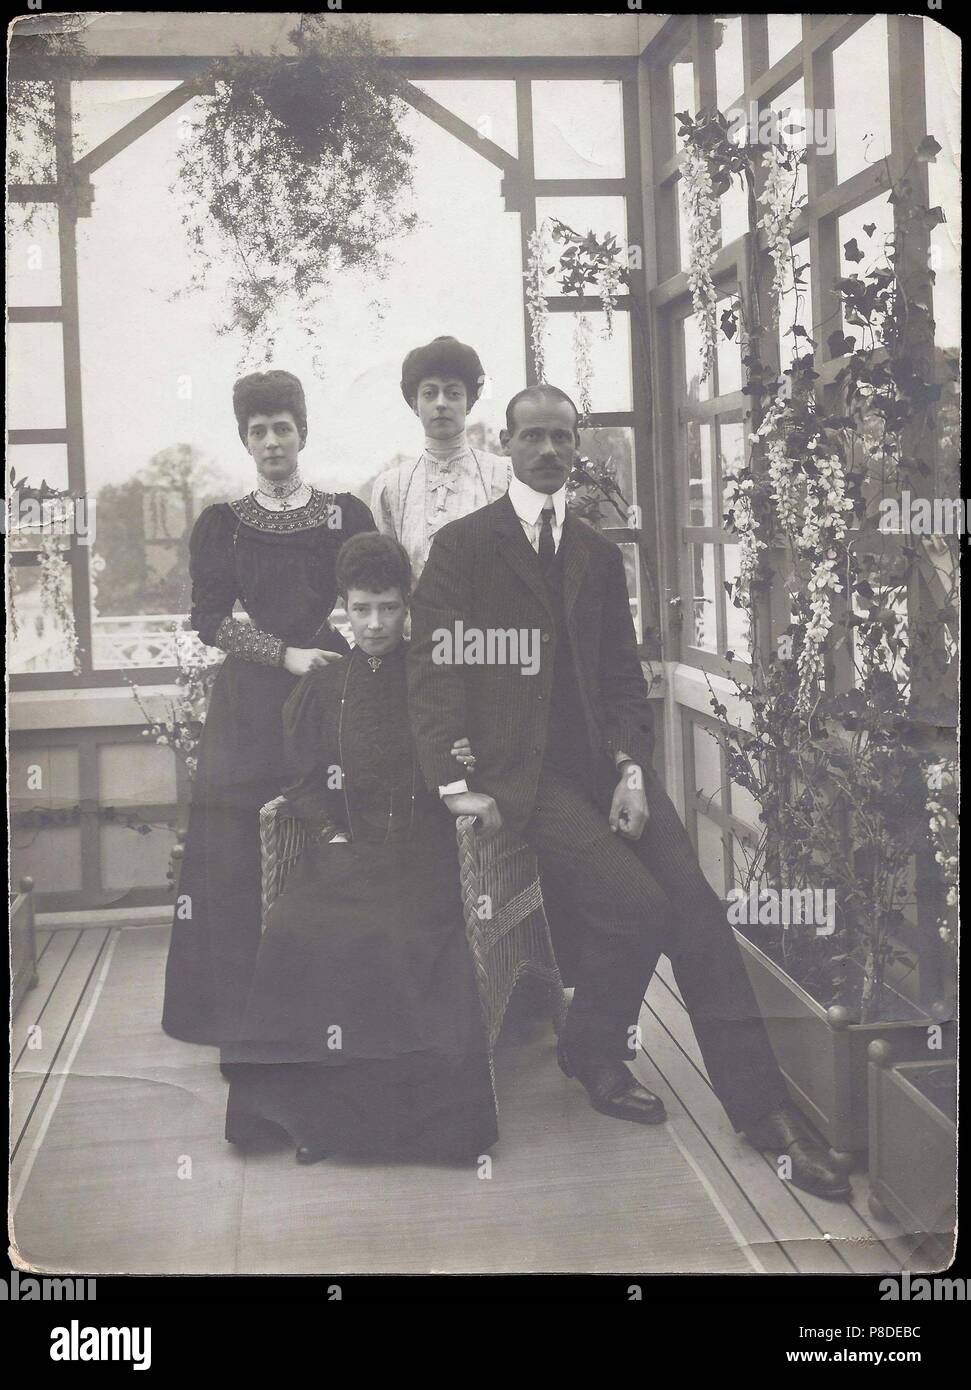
728, 355
39, 463
711, 853
609, 449
601, 216
696, 389
861, 85
102, 108
30, 132
33, 255
942, 59
578, 130
37, 468
700, 483
875, 247
684, 245
729, 74
708, 766
785, 31
36, 639
731, 451
488, 105
745, 806
796, 307
736, 619
701, 620
632, 569
790, 106
610, 385
743, 856
734, 213
682, 89
35, 376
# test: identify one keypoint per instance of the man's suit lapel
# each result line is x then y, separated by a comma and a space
518, 553
574, 561
516, 549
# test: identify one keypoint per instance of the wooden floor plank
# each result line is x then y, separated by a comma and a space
694, 1103
40, 1064
51, 965
859, 1232
842, 1223
142, 1116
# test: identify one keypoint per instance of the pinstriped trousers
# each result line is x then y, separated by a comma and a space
636, 900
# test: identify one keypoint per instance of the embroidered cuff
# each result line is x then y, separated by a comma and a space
241, 639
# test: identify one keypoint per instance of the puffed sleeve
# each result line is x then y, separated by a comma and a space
355, 515
307, 721
212, 566
213, 571
381, 508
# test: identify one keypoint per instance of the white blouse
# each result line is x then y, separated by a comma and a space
415, 500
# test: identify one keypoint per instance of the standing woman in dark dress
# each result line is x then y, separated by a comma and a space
274, 550
364, 1030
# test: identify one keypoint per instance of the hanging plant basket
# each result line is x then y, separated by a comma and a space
305, 96
297, 169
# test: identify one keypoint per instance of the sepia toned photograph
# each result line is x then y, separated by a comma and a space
483, 531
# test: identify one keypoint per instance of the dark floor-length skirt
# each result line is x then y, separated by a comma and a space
366, 949
216, 921
216, 925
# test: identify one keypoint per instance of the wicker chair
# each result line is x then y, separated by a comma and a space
505, 923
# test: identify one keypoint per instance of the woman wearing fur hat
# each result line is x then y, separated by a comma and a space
274, 551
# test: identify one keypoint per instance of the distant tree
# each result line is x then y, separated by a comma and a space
143, 528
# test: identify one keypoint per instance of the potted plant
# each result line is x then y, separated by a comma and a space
913, 1147
841, 776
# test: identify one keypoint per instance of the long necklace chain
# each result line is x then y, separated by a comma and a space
340, 758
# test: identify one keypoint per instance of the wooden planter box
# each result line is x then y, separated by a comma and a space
913, 1152
823, 1056
23, 944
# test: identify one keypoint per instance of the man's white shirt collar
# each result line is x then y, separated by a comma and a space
528, 503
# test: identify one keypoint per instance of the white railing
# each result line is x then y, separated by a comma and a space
149, 639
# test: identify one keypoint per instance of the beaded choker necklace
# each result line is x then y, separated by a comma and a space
281, 492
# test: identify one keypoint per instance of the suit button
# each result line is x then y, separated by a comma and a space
541, 697
546, 637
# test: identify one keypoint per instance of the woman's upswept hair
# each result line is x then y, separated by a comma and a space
267, 393
444, 357
373, 562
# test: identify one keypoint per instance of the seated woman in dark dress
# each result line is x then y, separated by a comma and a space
363, 1034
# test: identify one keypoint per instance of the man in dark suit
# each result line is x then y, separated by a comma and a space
523, 642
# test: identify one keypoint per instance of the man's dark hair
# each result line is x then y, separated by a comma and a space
534, 393
373, 562
269, 393
444, 357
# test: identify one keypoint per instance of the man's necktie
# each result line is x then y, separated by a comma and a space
547, 550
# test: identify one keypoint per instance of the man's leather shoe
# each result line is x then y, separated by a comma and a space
783, 1131
613, 1089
